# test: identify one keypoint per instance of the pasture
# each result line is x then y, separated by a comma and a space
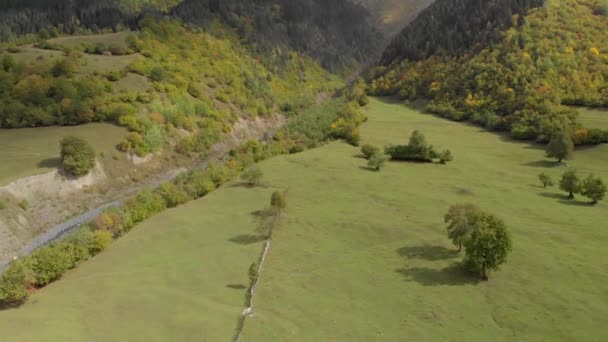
364, 256
29, 151
593, 117
181, 276
117, 39
359, 255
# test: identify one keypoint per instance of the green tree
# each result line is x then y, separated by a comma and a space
277, 200
546, 180
369, 150
593, 188
158, 74
377, 161
570, 183
560, 146
487, 245
77, 156
446, 156
252, 175
460, 219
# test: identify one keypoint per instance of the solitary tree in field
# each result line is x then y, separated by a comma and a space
252, 175
570, 183
278, 200
460, 219
377, 161
487, 245
593, 188
560, 146
546, 180
77, 156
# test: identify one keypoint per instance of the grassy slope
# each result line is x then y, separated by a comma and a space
29, 151
363, 255
180, 276
114, 39
360, 256
593, 117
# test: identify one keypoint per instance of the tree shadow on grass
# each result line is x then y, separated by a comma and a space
367, 168
236, 286
553, 196
247, 239
453, 274
574, 202
427, 252
50, 163
542, 164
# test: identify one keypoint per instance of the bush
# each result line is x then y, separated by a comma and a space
252, 175
13, 284
48, 264
99, 241
446, 156
416, 150
158, 74
277, 200
172, 195
593, 188
377, 160
77, 156
545, 179
369, 150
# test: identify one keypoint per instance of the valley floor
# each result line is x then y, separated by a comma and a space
359, 256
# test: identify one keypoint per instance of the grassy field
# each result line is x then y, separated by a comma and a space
593, 117
180, 276
363, 256
360, 255
29, 151
114, 39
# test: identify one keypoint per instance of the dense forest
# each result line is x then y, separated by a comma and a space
519, 79
452, 27
340, 34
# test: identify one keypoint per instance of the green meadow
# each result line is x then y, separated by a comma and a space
29, 151
359, 255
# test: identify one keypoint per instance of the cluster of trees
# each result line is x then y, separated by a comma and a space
451, 27
418, 150
591, 187
485, 237
375, 157
520, 82
44, 94
339, 34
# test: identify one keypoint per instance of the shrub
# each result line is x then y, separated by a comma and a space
99, 241
416, 150
369, 150
172, 195
77, 156
158, 74
377, 161
277, 200
252, 175
560, 146
446, 156
13, 284
48, 264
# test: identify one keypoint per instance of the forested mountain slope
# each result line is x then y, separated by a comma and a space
393, 15
506, 70
338, 33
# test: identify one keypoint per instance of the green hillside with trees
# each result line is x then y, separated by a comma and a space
517, 71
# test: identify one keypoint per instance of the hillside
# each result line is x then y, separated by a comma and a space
514, 68
339, 34
393, 15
